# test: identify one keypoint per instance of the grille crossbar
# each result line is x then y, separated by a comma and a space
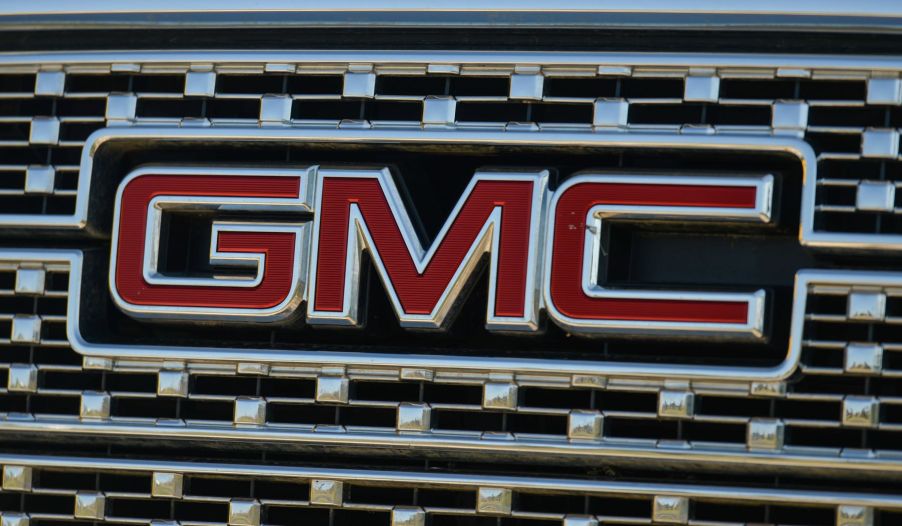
848, 427
139, 492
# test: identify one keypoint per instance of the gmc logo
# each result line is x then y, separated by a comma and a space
542, 247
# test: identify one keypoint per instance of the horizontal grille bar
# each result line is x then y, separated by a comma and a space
848, 109
813, 423
139, 492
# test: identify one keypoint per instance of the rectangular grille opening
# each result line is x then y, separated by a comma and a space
561, 113
367, 417
807, 410
14, 131
344, 517
59, 504
326, 109
732, 406
26, 107
206, 410
387, 391
54, 405
170, 108
275, 489
620, 507
17, 83
802, 516
12, 181
492, 112
469, 86
452, 394
139, 508
65, 380
855, 117
294, 388
87, 83
409, 85
315, 85
832, 89
445, 498
581, 87
651, 88
758, 89
715, 432
220, 487
836, 143
616, 427
468, 420
225, 385
291, 516
250, 84
679, 114
382, 110
818, 437
301, 414
233, 109
80, 107
562, 398
145, 407
396, 496
67, 480
563, 504
78, 131
710, 511
158, 83
538, 424
201, 511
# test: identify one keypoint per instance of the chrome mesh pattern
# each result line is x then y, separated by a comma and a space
56, 490
843, 411
849, 380
850, 114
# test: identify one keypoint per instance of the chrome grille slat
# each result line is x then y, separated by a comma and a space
460, 495
820, 83
528, 437
440, 435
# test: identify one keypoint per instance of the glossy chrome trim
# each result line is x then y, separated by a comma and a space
735, 457
803, 14
785, 145
524, 484
739, 458
41, 60
762, 7
509, 61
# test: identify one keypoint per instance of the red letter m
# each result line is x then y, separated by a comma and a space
359, 210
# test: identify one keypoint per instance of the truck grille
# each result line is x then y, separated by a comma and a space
839, 414
55, 489
847, 110
842, 409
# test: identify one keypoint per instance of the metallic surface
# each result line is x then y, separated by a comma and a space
677, 396
572, 13
324, 487
96, 421
788, 120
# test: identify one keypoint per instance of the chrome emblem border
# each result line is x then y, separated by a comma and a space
794, 147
